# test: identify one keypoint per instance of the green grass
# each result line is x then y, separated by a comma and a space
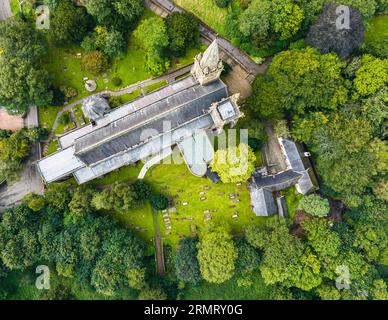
208, 12
228, 290
292, 201
14, 7
47, 115
177, 177
377, 29
130, 96
155, 86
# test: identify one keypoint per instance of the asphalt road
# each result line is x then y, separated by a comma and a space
5, 9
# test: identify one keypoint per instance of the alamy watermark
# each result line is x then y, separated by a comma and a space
42, 281
343, 18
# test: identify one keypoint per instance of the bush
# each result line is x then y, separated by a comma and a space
142, 190
222, 3
315, 205
117, 81
115, 102
64, 118
94, 62
69, 92
254, 143
159, 202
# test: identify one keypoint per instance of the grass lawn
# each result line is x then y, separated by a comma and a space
47, 115
377, 30
177, 178
208, 12
228, 291
155, 86
292, 201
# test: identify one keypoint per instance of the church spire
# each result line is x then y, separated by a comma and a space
208, 66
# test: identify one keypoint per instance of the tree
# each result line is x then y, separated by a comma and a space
131, 10
100, 9
142, 190
347, 159
287, 18
57, 196
234, 164
64, 118
183, 32
303, 80
121, 254
186, 263
94, 62
381, 189
159, 201
315, 205
19, 246
114, 43
379, 290
13, 151
22, 80
247, 263
327, 37
216, 256
255, 21
35, 202
149, 293
66, 19
324, 241
222, 3
372, 75
152, 35
81, 201
281, 129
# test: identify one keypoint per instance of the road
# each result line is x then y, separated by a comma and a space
29, 180
5, 9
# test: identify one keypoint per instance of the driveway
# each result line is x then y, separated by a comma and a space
5, 9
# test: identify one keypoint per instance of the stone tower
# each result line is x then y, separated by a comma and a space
208, 66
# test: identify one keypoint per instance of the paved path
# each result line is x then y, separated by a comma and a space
165, 7
169, 77
29, 180
5, 9
159, 254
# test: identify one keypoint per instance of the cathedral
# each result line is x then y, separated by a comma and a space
184, 113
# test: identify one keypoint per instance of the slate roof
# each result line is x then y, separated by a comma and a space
262, 201
124, 133
276, 182
94, 107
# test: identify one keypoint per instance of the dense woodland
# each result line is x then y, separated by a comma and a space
330, 95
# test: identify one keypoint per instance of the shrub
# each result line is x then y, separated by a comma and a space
94, 62
142, 190
64, 118
222, 3
315, 205
117, 81
159, 201
115, 102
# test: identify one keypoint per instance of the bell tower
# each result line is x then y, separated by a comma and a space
208, 66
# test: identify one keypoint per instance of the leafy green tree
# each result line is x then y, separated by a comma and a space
372, 76
315, 205
234, 164
35, 202
326, 242
121, 254
94, 62
255, 21
124, 196
19, 246
247, 263
281, 129
12, 152
69, 24
328, 292
216, 256
57, 196
183, 32
131, 10
142, 190
114, 43
103, 200
152, 35
186, 263
22, 80
381, 189
152, 293
81, 201
287, 18
159, 201
379, 290
304, 80
100, 9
